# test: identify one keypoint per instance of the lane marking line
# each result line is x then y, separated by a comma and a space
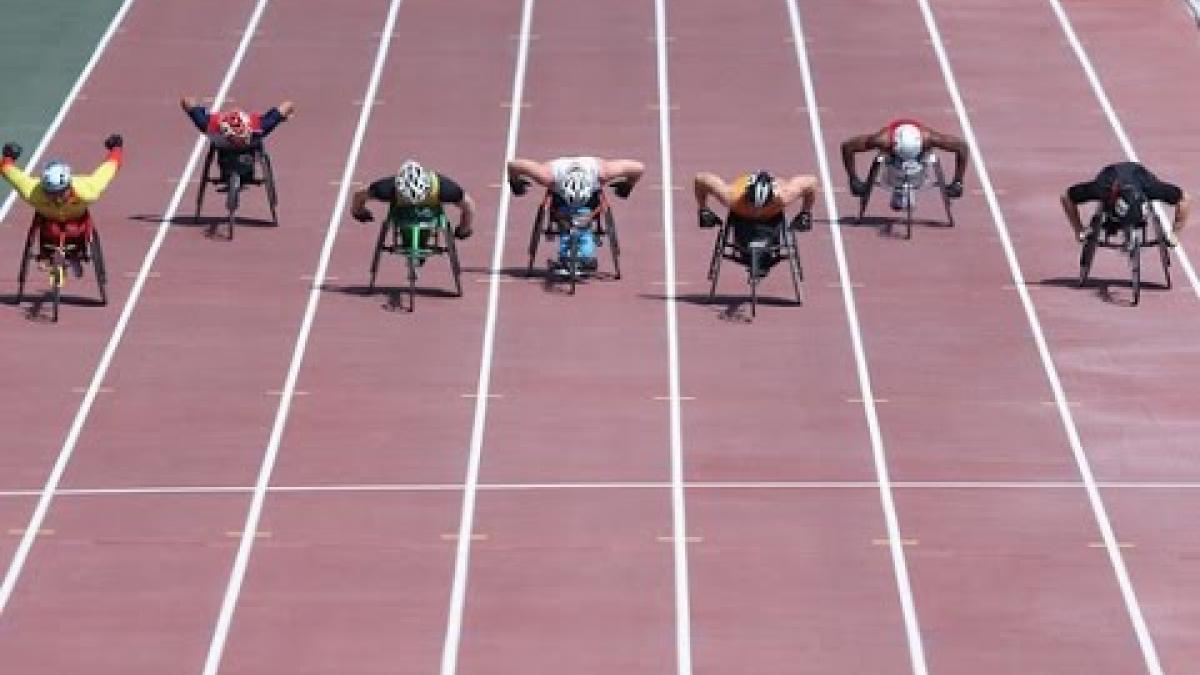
466, 522
1133, 608
683, 602
611, 485
903, 542
908, 609
20, 532
671, 539
453, 536
17, 563
216, 647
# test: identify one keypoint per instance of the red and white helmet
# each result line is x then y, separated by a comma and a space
907, 141
234, 125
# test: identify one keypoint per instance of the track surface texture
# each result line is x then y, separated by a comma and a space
948, 459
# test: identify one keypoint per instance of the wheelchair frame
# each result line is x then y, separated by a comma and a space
602, 225
875, 179
441, 241
1133, 240
262, 159
726, 248
92, 252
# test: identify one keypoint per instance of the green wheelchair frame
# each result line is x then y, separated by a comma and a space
416, 234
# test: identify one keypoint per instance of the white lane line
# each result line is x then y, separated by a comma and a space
611, 485
237, 575
683, 611
466, 521
1134, 610
114, 340
912, 628
72, 96
1118, 128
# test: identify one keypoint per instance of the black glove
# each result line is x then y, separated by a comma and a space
363, 215
708, 218
954, 190
622, 188
462, 232
518, 185
12, 151
857, 187
114, 141
802, 222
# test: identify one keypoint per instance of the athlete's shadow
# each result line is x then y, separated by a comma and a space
1112, 291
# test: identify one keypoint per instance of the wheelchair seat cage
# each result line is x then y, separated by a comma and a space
885, 175
1131, 241
90, 252
780, 246
234, 178
550, 223
416, 234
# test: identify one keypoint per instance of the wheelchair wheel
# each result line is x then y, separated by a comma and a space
909, 198
232, 199
204, 179
1164, 254
410, 259
58, 272
379, 248
455, 268
872, 177
755, 257
1086, 256
26, 255
610, 226
97, 254
793, 254
573, 261
269, 184
1135, 262
539, 226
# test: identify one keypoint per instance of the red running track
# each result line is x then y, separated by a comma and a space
572, 566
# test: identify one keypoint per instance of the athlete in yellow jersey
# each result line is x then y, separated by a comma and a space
756, 203
60, 200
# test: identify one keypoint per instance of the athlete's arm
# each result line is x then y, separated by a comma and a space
450, 192
800, 187
711, 185
1073, 197
625, 172
89, 188
383, 190
850, 149
273, 117
955, 145
197, 113
521, 171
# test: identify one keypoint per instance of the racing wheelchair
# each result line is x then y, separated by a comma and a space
907, 178
68, 251
237, 169
553, 220
1130, 239
416, 233
757, 253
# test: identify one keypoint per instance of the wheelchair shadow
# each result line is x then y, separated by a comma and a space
204, 221
36, 306
725, 307
393, 295
891, 227
550, 282
1103, 288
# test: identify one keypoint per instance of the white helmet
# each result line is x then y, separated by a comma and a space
760, 189
413, 182
907, 141
56, 177
577, 188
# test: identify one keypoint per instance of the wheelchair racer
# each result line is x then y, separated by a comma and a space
61, 200
415, 194
575, 184
235, 133
1125, 191
905, 143
756, 203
